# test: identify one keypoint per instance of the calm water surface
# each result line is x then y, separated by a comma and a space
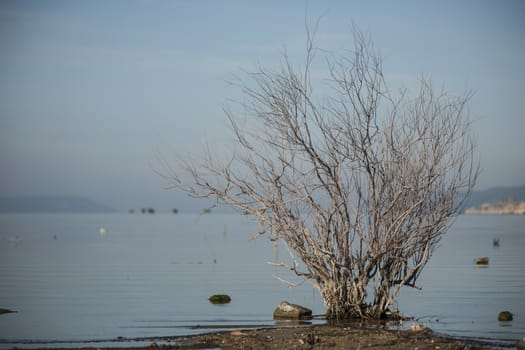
151, 276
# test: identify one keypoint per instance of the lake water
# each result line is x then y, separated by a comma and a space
151, 276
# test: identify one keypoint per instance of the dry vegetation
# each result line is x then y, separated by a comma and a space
360, 184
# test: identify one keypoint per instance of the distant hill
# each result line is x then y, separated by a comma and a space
52, 204
80, 204
495, 194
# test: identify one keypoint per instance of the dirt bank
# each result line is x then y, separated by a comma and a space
317, 337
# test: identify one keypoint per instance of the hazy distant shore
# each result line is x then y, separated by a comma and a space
508, 207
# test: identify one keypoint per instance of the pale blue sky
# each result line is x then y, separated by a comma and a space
92, 91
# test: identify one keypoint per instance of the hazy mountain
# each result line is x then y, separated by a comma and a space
52, 204
79, 204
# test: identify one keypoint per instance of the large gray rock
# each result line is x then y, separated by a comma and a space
287, 311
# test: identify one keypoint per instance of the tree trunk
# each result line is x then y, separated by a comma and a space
345, 302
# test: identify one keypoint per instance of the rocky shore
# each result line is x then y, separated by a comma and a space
319, 337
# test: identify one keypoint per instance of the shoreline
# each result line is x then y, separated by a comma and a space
298, 337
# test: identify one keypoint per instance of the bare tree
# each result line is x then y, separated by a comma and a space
360, 185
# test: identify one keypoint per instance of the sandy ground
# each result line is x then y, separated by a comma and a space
317, 337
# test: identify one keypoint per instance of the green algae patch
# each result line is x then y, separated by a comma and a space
505, 316
219, 299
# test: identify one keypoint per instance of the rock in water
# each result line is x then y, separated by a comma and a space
219, 299
6, 311
287, 311
505, 316
482, 261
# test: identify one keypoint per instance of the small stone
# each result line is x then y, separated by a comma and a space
237, 334
505, 316
520, 344
482, 261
